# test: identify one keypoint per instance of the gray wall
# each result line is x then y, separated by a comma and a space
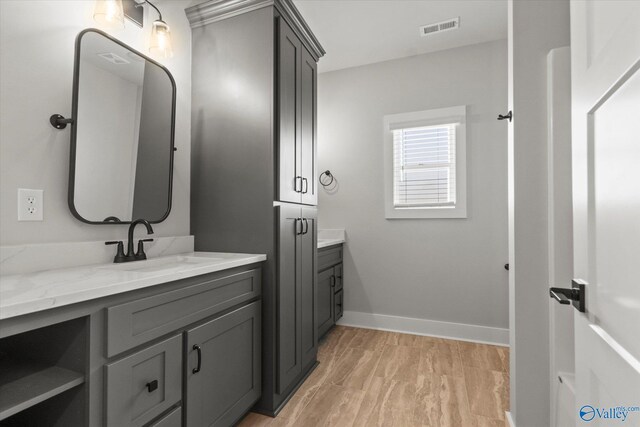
528, 202
36, 73
439, 269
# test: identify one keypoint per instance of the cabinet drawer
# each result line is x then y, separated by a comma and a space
337, 272
134, 323
329, 257
142, 386
337, 312
172, 419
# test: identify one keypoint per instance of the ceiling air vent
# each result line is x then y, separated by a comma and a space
451, 24
113, 58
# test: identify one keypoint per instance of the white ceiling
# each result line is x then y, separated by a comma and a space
358, 32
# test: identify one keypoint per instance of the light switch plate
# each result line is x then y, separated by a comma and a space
30, 205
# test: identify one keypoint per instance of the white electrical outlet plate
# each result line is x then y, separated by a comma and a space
30, 205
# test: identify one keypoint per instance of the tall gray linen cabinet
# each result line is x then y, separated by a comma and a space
253, 168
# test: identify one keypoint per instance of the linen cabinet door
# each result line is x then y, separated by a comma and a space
308, 117
223, 371
289, 185
325, 301
308, 278
288, 297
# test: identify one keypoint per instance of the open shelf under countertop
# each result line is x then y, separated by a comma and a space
26, 383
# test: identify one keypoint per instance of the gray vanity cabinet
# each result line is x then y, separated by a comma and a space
325, 301
183, 353
222, 372
297, 72
330, 287
296, 294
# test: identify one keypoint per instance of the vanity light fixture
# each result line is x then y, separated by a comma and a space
109, 13
160, 43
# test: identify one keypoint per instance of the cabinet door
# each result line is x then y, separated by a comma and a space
308, 85
337, 271
338, 301
288, 297
308, 277
289, 184
325, 301
223, 367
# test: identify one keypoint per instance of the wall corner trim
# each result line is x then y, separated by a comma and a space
427, 327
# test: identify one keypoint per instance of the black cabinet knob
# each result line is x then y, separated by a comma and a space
152, 386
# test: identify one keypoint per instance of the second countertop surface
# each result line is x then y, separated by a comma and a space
330, 237
324, 243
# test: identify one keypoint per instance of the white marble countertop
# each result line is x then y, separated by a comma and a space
330, 237
31, 292
324, 243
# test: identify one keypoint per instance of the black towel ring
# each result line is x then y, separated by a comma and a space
326, 181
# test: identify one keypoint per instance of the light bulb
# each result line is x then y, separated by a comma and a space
109, 13
160, 44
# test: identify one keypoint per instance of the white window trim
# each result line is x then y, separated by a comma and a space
427, 118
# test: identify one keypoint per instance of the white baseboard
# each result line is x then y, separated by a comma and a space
457, 331
510, 419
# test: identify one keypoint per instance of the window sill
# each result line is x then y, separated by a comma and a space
426, 213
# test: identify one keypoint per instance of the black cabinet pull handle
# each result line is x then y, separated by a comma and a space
306, 185
306, 226
301, 229
197, 348
333, 281
295, 184
152, 386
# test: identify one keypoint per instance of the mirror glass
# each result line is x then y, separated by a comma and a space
122, 138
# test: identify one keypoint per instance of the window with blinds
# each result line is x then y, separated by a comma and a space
424, 166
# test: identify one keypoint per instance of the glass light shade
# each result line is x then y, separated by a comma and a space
160, 44
109, 13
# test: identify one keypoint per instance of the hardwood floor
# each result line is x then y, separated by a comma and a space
377, 378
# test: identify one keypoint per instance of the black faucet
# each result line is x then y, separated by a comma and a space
130, 255
140, 255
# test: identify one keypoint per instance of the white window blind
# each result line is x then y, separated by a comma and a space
424, 166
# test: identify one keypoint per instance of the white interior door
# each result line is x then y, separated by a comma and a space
605, 64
